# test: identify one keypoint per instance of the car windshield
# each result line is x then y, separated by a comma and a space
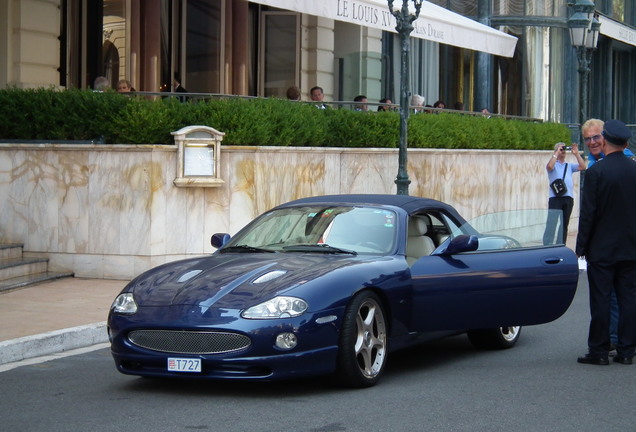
320, 229
515, 229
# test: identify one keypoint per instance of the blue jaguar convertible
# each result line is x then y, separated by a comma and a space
331, 285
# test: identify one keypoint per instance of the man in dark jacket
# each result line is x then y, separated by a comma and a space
607, 239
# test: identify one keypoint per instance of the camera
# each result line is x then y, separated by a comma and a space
566, 148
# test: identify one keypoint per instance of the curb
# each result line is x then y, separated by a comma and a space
52, 342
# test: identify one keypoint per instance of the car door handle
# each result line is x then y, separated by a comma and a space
553, 260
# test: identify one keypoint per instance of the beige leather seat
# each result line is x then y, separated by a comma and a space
418, 244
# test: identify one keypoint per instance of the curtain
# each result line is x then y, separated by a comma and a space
544, 84
423, 69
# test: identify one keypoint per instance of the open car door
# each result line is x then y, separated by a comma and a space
494, 271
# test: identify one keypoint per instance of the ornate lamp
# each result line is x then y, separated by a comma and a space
404, 28
591, 41
584, 30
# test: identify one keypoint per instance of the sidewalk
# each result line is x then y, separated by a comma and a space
55, 316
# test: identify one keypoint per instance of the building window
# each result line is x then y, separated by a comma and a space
114, 40
204, 25
279, 53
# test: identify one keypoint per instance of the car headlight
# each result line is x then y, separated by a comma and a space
278, 307
124, 304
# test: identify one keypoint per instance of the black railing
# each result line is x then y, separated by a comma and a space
372, 106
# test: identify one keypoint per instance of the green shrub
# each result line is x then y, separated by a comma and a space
44, 114
49, 114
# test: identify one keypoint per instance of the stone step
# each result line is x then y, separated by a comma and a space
32, 279
16, 267
18, 271
10, 250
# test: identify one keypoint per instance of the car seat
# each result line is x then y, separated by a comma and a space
418, 244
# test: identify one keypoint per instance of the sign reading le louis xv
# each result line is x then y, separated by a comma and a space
434, 23
372, 15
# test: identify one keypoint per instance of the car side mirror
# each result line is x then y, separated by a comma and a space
462, 243
219, 240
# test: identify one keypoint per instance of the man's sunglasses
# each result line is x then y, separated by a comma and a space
587, 140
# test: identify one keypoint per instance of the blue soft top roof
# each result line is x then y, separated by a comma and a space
410, 204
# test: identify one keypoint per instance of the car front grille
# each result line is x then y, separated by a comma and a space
189, 342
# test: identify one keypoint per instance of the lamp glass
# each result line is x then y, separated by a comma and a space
592, 37
578, 36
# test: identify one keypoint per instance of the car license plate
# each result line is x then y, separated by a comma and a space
184, 365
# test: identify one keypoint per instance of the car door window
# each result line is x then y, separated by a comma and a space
511, 279
508, 230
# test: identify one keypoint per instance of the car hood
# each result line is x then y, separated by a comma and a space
233, 280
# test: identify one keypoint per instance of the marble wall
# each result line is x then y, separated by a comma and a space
112, 211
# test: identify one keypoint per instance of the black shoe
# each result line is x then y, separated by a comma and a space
623, 360
595, 360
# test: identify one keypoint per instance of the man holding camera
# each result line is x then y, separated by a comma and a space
561, 191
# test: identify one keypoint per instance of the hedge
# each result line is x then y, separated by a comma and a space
71, 115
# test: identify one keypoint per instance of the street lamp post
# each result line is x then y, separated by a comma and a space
584, 30
404, 28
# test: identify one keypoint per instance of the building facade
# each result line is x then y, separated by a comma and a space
250, 48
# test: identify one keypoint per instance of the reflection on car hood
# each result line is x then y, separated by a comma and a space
232, 280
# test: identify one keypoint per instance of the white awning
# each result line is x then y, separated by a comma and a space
435, 23
617, 30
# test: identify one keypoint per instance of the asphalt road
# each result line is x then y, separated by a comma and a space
443, 386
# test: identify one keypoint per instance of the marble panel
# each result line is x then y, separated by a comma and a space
61, 262
216, 216
170, 237
333, 173
194, 221
161, 224
165, 205
369, 172
385, 172
141, 263
73, 180
120, 265
158, 260
15, 214
91, 266
140, 176
240, 179
105, 203
10, 230
284, 175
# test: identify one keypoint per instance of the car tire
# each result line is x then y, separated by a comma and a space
362, 350
497, 338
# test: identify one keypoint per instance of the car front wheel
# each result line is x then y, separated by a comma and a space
497, 338
362, 350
